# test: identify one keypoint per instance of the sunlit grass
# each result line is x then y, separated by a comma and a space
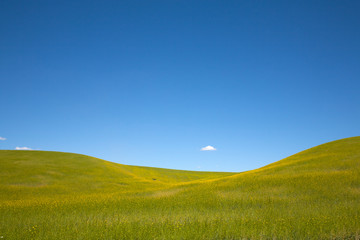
312, 195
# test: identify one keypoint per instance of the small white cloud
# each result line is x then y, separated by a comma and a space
2, 139
208, 148
22, 148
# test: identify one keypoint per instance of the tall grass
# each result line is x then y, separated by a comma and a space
312, 195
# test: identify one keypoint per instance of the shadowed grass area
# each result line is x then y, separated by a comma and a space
311, 195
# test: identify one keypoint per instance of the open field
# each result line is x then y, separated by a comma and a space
314, 194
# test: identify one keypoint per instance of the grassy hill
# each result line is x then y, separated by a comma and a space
314, 194
26, 174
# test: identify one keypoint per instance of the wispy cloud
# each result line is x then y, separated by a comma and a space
22, 148
208, 148
2, 139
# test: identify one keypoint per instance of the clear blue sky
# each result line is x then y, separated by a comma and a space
151, 82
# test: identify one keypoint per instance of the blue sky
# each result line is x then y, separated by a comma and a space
152, 82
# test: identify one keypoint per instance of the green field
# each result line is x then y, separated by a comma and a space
314, 194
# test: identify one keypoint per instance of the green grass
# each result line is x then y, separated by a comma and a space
314, 194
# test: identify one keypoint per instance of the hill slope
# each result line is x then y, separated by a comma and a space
311, 195
55, 173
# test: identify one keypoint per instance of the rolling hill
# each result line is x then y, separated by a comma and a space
25, 173
314, 194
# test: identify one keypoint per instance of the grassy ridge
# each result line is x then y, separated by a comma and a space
311, 195
26, 174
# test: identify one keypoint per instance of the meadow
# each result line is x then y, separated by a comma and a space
314, 194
